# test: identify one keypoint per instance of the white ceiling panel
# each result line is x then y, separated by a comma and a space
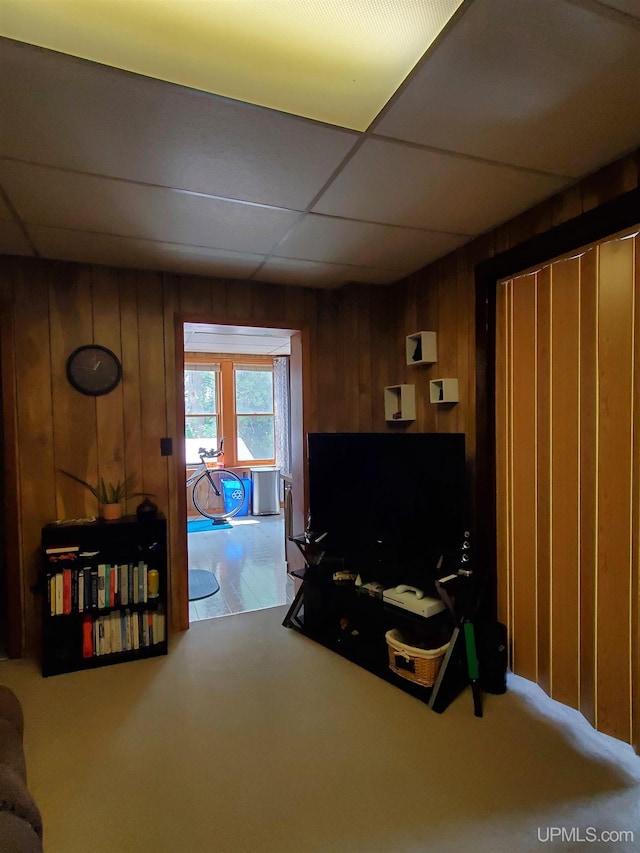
247, 340
325, 238
237, 344
404, 185
84, 247
517, 100
67, 112
543, 84
53, 197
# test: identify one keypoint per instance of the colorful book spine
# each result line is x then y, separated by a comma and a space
94, 587
80, 596
124, 584
87, 637
141, 582
66, 590
102, 571
113, 585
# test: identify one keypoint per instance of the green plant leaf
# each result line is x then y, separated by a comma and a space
84, 483
111, 493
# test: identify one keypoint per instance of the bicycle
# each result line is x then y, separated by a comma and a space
212, 485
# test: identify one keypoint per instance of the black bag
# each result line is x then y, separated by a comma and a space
491, 640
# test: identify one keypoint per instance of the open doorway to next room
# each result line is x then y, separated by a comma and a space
237, 386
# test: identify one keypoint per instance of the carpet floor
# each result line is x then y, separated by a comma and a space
250, 737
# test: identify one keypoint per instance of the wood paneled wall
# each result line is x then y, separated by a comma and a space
49, 308
355, 346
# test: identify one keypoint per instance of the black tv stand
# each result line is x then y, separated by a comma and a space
352, 623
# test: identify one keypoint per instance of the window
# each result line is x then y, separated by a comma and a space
255, 436
201, 406
230, 398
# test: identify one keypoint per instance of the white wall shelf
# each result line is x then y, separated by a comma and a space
422, 348
443, 390
400, 403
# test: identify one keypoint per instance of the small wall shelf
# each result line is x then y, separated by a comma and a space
400, 403
422, 348
443, 390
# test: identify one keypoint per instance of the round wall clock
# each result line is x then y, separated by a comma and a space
93, 370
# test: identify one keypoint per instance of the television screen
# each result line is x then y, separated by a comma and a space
391, 504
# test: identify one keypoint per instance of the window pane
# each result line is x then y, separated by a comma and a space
254, 393
200, 391
202, 428
255, 437
200, 432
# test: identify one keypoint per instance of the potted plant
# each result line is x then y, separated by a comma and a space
111, 496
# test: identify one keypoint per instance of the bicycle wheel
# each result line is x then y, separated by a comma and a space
218, 494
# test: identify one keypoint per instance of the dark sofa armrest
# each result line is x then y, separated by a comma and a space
15, 799
17, 835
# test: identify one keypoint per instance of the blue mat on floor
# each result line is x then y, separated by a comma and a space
201, 524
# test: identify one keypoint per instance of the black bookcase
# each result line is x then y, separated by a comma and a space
104, 593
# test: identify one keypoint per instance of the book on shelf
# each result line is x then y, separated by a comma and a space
66, 591
74, 590
113, 586
59, 594
142, 582
135, 630
62, 549
51, 594
94, 587
80, 597
87, 637
124, 584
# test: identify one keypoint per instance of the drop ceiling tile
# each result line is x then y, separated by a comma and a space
58, 198
13, 240
234, 329
84, 247
236, 343
101, 120
365, 244
547, 85
318, 274
401, 184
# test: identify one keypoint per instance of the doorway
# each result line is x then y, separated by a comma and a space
236, 382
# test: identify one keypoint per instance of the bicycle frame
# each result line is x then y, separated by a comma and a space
203, 468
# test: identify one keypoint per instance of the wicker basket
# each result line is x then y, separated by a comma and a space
418, 665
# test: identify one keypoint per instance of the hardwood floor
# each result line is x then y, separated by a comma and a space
247, 560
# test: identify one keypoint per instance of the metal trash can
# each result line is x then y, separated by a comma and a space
265, 489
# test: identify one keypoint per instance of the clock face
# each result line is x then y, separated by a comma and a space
93, 370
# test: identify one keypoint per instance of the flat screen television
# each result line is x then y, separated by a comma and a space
391, 504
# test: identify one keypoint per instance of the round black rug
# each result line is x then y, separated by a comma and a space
202, 584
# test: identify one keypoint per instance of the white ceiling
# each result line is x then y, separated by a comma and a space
238, 340
517, 99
